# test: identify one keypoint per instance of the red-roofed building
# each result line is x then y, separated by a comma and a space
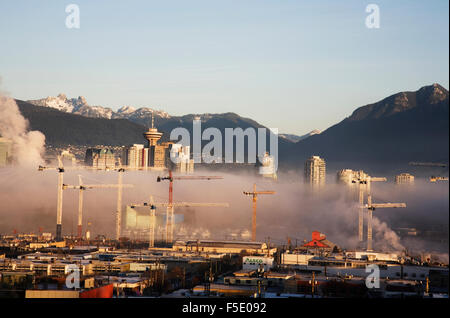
319, 240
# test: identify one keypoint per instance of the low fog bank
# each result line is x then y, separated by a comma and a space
28, 202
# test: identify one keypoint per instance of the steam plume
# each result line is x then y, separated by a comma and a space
27, 146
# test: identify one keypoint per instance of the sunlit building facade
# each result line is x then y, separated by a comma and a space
5, 151
404, 178
100, 158
315, 171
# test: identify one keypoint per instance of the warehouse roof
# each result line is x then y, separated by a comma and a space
224, 244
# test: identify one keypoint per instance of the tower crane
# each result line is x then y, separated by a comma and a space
153, 206
255, 194
60, 168
169, 210
82, 187
364, 183
433, 178
429, 164
121, 169
370, 208
61, 186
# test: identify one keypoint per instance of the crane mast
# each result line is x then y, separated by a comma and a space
80, 209
59, 204
60, 187
364, 185
119, 203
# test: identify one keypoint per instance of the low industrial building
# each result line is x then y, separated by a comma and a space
257, 263
373, 256
295, 258
228, 247
99, 292
225, 290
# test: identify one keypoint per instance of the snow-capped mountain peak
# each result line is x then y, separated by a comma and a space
126, 110
296, 138
80, 106
80, 101
59, 102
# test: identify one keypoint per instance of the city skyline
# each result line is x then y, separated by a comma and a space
224, 154
269, 63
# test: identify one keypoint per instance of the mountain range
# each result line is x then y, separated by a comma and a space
80, 106
295, 138
404, 127
141, 115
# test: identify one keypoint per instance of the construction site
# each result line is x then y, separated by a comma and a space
158, 248
135, 225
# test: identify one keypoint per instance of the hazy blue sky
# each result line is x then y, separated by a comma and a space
293, 65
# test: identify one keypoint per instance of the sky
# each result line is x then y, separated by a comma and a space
291, 65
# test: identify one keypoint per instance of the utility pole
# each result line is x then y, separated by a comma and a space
259, 294
207, 285
211, 277
313, 284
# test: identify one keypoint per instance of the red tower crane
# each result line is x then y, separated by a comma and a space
169, 213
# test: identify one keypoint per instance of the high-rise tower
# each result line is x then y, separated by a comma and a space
315, 169
152, 134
